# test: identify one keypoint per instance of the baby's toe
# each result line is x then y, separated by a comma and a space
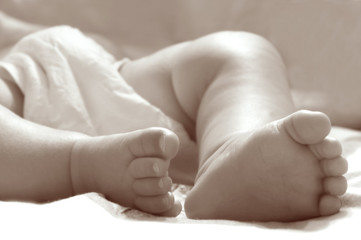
329, 205
328, 148
334, 167
153, 142
335, 185
174, 211
306, 127
155, 204
152, 186
148, 167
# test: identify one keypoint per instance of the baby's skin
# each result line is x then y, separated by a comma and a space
130, 169
287, 170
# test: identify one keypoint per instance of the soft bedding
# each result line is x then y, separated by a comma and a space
90, 215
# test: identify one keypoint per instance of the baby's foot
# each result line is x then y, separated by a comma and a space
130, 169
288, 170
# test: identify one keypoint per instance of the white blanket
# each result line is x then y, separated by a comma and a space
71, 83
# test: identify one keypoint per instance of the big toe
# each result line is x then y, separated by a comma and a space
153, 142
307, 127
329, 205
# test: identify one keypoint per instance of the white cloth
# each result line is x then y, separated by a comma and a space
71, 83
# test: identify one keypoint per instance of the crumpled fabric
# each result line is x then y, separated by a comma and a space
71, 83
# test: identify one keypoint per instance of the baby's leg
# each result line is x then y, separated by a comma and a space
258, 160
43, 164
129, 169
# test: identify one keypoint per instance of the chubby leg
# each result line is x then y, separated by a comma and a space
41, 164
256, 158
129, 169
259, 159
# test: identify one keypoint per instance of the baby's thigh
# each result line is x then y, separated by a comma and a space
151, 77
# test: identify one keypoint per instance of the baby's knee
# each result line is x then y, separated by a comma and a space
227, 46
237, 41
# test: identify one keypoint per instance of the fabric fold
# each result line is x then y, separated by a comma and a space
71, 83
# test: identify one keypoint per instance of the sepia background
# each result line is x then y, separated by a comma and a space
318, 40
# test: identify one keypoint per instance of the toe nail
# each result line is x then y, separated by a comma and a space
156, 168
161, 184
162, 143
166, 201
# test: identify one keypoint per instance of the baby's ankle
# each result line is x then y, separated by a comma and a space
206, 158
81, 167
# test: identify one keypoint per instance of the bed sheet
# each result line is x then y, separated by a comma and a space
91, 216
